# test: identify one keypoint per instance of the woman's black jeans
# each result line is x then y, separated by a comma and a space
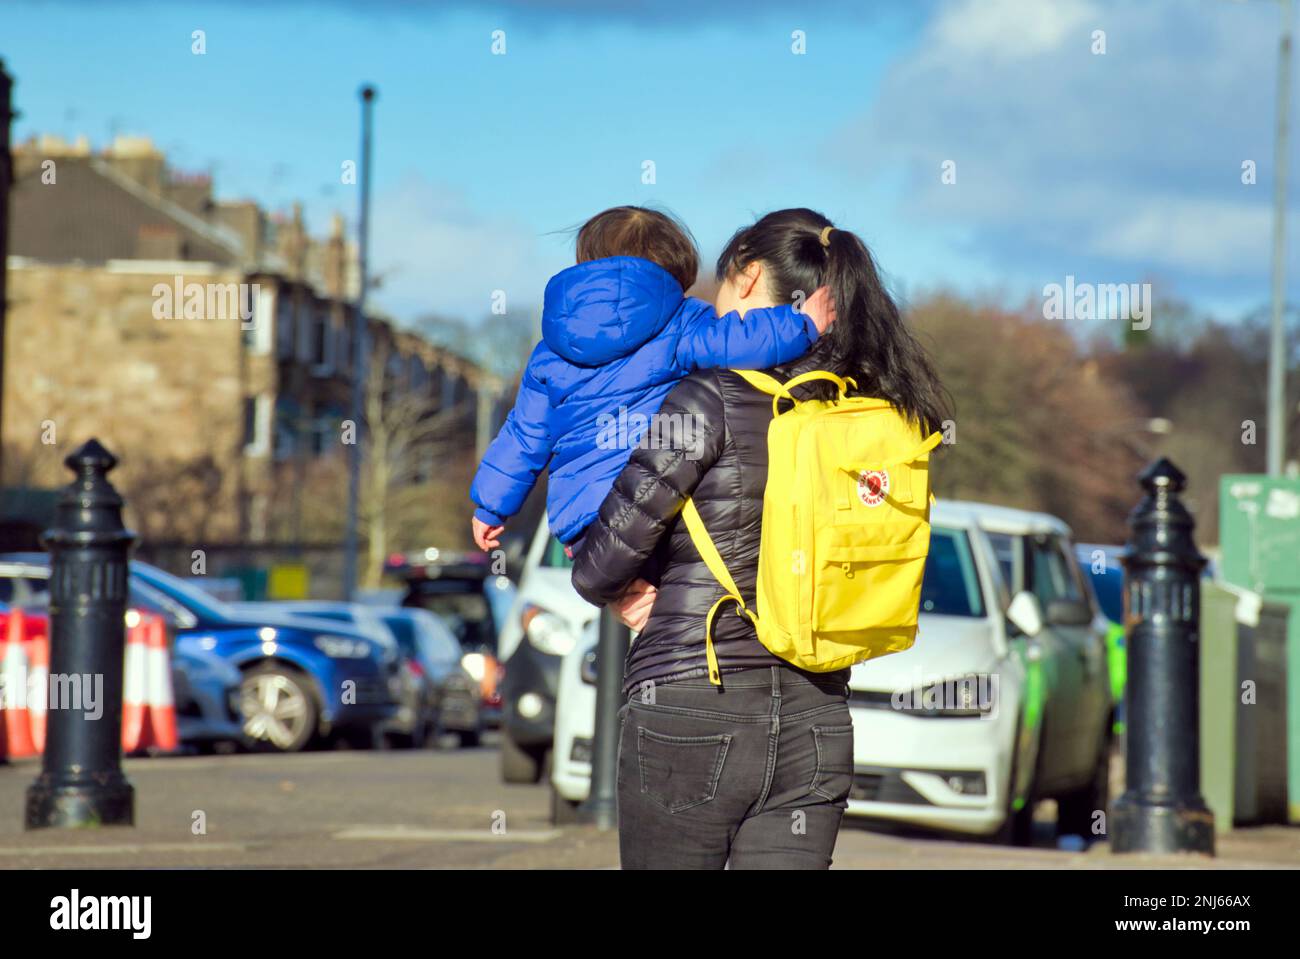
756, 773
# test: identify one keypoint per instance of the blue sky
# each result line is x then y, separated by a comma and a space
1117, 167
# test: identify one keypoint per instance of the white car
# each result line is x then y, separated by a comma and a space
998, 704
543, 625
575, 727
993, 688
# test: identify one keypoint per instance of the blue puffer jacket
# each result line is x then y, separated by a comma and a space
617, 335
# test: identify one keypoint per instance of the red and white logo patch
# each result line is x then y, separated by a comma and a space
873, 487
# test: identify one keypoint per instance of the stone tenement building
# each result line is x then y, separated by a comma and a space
205, 343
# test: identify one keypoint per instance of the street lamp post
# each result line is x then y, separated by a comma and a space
1162, 810
6, 175
358, 353
1277, 412
81, 781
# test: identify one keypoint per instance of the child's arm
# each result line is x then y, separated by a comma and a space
763, 337
516, 457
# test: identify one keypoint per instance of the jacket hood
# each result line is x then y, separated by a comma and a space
604, 309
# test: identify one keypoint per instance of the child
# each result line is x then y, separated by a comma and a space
617, 335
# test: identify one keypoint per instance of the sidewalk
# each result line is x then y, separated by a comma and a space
435, 809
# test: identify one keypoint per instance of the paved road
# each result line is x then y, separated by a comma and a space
437, 809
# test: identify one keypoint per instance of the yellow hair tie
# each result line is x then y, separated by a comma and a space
826, 236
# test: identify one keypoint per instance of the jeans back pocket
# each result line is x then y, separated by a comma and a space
679, 772
834, 776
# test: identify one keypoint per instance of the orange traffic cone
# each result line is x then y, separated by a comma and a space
5, 696
13, 660
162, 703
135, 685
38, 665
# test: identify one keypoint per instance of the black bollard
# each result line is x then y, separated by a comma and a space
1162, 810
601, 806
81, 782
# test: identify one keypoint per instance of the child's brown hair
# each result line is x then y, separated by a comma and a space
635, 231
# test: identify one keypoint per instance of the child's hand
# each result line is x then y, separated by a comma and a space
487, 537
634, 606
820, 308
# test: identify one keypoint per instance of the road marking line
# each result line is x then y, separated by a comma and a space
446, 835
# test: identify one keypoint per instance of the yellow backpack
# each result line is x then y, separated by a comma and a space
846, 530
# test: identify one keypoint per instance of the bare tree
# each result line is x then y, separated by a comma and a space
412, 447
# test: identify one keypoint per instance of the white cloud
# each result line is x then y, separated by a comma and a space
1131, 158
436, 254
1212, 236
1006, 29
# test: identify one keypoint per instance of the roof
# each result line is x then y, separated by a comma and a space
996, 519
92, 213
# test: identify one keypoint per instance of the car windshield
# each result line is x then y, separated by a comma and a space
462, 606
404, 630
30, 587
1109, 587
337, 615
196, 600
1004, 548
951, 586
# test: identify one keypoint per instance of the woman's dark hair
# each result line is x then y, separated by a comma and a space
868, 340
636, 231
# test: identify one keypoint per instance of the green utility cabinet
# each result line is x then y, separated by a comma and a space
1243, 706
1259, 523
1219, 703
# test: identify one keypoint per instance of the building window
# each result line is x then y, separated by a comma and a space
322, 343
343, 344
418, 375
306, 333
284, 328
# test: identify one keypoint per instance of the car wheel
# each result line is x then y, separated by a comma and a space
564, 812
470, 738
518, 765
280, 713
1076, 810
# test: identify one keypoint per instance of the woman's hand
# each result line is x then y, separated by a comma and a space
820, 308
634, 606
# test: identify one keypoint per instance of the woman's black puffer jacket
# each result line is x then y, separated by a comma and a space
715, 451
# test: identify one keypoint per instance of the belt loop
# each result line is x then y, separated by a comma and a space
776, 682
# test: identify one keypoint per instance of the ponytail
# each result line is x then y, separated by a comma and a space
868, 340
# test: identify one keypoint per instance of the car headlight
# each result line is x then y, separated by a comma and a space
547, 632
475, 664
342, 647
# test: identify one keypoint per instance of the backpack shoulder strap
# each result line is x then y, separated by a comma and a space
713, 560
779, 391
763, 382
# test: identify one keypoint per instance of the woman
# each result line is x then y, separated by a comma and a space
755, 773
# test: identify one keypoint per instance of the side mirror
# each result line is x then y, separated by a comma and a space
1024, 613
1068, 612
